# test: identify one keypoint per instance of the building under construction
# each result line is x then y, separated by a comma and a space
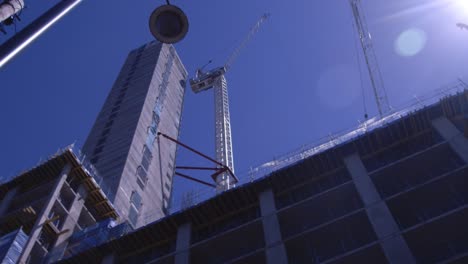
394, 194
44, 206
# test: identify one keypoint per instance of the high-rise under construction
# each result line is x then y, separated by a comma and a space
145, 99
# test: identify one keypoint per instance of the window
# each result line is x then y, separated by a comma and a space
105, 132
141, 173
97, 150
145, 163
109, 124
135, 200
133, 216
147, 156
147, 153
94, 160
141, 184
152, 130
112, 116
155, 118
101, 141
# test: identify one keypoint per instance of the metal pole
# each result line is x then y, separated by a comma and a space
23, 38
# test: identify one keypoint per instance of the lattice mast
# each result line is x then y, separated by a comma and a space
216, 79
375, 75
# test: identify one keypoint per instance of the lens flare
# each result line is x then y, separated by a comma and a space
410, 42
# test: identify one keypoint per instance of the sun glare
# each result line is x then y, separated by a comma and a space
461, 6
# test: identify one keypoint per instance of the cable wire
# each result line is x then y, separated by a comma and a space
356, 49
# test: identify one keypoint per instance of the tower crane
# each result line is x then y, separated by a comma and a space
365, 38
215, 79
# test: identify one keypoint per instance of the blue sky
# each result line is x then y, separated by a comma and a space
297, 81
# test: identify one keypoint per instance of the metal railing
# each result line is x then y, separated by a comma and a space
323, 144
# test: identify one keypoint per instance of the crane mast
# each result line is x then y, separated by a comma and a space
216, 79
223, 138
365, 38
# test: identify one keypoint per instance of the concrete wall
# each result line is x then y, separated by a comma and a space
121, 155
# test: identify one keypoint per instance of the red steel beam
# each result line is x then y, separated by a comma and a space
194, 179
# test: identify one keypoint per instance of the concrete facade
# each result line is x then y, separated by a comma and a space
136, 166
396, 194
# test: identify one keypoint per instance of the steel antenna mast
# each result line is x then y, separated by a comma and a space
365, 38
216, 79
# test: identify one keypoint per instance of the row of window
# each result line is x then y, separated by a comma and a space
115, 109
142, 170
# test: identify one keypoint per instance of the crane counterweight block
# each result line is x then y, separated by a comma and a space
205, 81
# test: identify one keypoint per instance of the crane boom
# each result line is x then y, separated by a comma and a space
247, 38
378, 88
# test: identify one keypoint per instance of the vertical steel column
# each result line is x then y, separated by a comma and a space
32, 31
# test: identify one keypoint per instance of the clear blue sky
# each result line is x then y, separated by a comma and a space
295, 82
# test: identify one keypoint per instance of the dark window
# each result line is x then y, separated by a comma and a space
105, 132
152, 130
142, 174
115, 109
135, 200
94, 160
112, 116
101, 141
98, 150
147, 153
118, 102
145, 163
133, 216
141, 184
109, 124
